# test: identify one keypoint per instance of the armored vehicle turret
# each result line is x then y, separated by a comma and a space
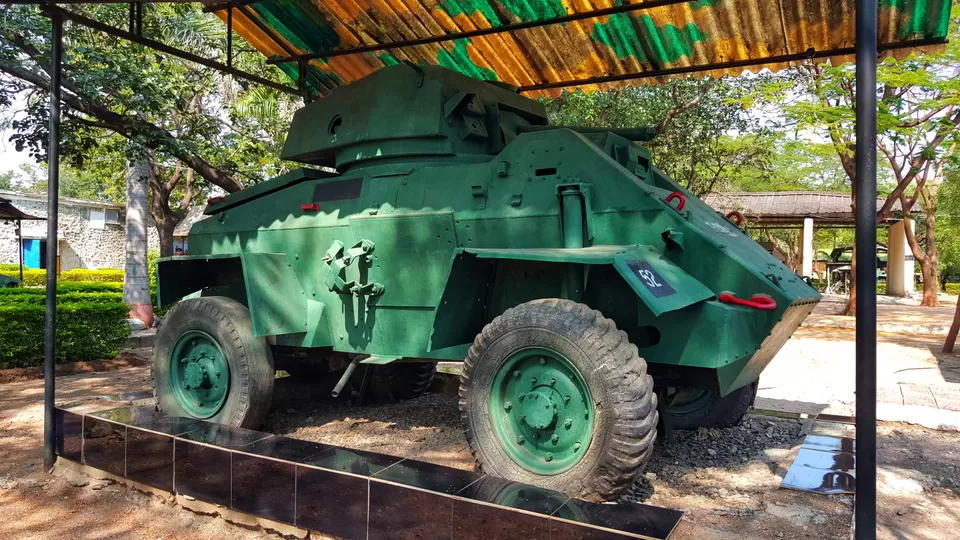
585, 292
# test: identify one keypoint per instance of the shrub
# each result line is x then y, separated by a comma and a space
953, 288
86, 330
37, 278
881, 288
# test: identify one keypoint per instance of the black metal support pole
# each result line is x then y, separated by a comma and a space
230, 37
53, 203
865, 511
20, 246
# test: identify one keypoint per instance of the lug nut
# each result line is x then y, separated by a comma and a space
568, 424
522, 396
516, 373
536, 436
543, 361
553, 382
566, 399
576, 447
507, 406
520, 439
549, 457
536, 396
555, 438
533, 380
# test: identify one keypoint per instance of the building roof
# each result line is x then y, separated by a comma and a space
541, 45
42, 197
789, 206
9, 211
194, 214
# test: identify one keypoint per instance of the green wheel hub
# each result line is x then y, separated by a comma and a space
200, 375
541, 410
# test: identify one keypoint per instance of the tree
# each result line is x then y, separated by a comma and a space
119, 97
6, 180
918, 124
707, 135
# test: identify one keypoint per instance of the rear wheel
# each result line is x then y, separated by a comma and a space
207, 364
552, 394
693, 409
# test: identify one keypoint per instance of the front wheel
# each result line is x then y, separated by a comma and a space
553, 394
207, 364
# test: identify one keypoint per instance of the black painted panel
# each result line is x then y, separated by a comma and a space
332, 503
401, 513
285, 448
428, 476
560, 530
68, 434
150, 458
264, 487
352, 461
514, 495
202, 472
104, 445
475, 521
224, 436
152, 420
633, 518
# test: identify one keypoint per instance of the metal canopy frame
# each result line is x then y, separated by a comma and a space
865, 191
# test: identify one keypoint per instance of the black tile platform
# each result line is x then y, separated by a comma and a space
337, 491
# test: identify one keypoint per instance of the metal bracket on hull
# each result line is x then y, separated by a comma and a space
336, 259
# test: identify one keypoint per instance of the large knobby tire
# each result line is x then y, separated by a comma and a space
689, 409
207, 364
586, 422
404, 381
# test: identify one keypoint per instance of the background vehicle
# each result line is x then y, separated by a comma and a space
580, 286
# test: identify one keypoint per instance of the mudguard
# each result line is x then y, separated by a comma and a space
659, 283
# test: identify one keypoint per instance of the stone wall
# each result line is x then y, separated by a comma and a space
81, 246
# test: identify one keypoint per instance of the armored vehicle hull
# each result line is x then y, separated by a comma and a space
583, 288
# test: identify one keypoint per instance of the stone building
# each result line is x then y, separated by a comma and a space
90, 234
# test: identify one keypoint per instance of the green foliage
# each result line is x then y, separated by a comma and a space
881, 288
953, 289
37, 278
708, 134
90, 326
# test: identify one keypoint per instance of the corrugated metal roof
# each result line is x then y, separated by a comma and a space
664, 37
760, 206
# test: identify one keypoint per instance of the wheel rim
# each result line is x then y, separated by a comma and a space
689, 400
199, 373
541, 410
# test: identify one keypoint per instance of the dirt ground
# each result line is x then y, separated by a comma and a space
727, 481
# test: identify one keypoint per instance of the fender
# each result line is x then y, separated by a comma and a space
264, 282
660, 284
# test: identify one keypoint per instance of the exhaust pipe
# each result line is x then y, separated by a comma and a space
347, 373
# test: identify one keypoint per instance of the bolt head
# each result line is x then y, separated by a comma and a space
549, 457
543, 361
536, 396
520, 439
533, 380
218, 374
568, 424
507, 406
536, 436
566, 399
576, 447
522, 396
553, 382
516, 373
555, 438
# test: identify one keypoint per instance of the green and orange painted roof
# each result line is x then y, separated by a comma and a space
543, 45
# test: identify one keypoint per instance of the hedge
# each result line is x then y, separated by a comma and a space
953, 288
91, 323
37, 278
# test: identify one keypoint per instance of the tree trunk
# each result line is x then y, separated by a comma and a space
165, 232
954, 329
851, 309
136, 279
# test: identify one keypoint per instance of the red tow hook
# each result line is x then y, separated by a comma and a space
737, 215
764, 303
677, 195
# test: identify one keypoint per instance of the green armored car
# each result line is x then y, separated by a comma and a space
585, 292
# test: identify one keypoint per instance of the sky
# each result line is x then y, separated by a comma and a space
10, 159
